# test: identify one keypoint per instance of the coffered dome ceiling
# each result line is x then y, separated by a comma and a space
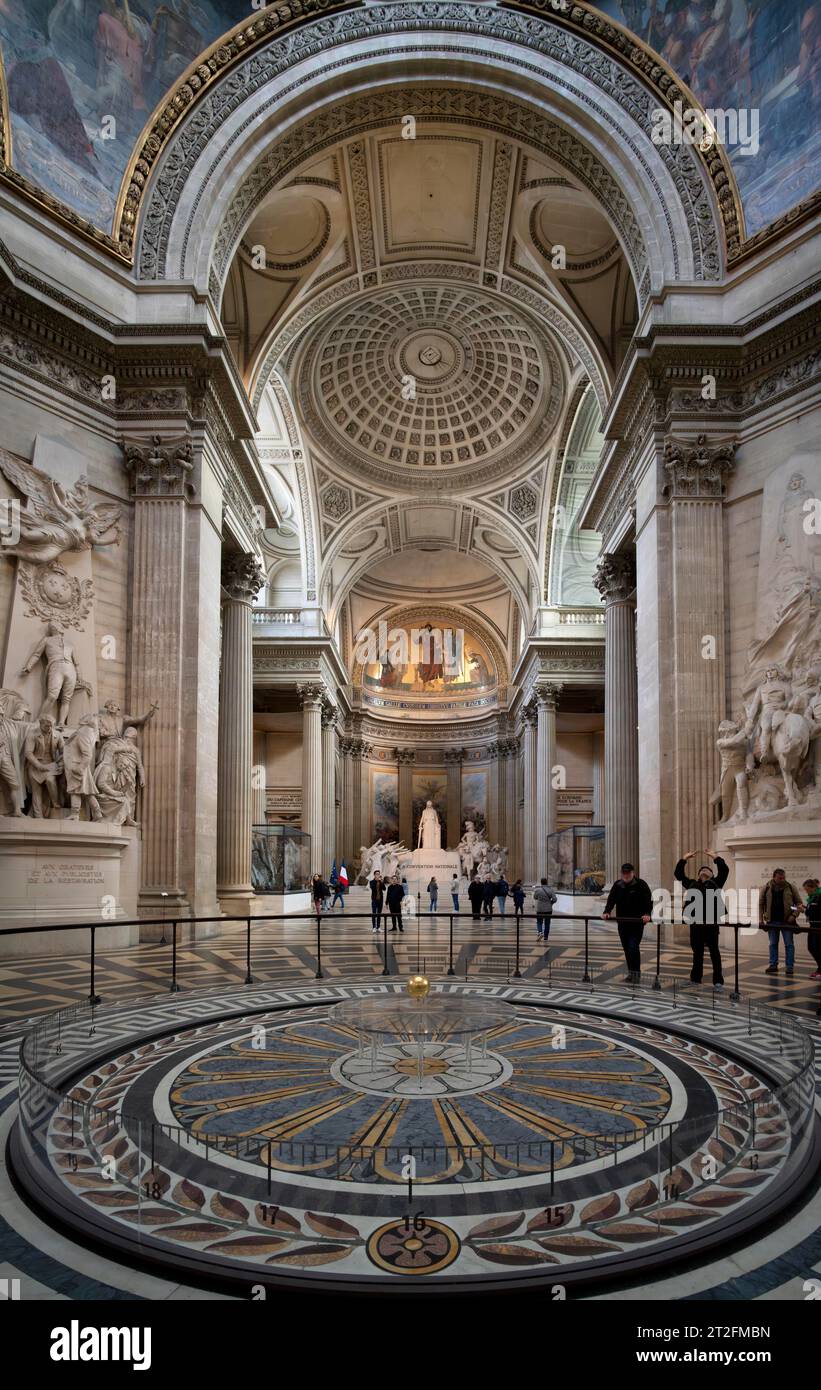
428, 382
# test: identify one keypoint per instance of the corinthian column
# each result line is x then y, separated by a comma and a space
547, 698
529, 748
310, 698
242, 579
598, 777
405, 758
615, 579
695, 485
259, 778
330, 849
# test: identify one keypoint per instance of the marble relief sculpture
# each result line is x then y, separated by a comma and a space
55, 519
477, 855
14, 728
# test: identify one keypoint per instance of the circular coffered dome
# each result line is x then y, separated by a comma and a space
429, 381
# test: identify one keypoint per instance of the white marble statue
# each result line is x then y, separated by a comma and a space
472, 849
55, 519
381, 857
62, 672
112, 723
430, 828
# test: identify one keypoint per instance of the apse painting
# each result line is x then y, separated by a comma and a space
747, 55
84, 76
429, 660
384, 804
474, 797
430, 786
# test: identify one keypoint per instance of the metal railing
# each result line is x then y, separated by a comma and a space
317, 923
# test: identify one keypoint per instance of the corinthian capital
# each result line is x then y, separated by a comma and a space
310, 695
242, 577
699, 469
615, 576
548, 694
159, 470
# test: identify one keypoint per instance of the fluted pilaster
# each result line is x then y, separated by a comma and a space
310, 698
696, 476
615, 579
405, 758
547, 697
330, 849
529, 752
160, 488
453, 763
598, 777
259, 778
242, 578
511, 835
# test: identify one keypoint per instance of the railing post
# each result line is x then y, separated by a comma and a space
586, 975
451, 970
93, 996
249, 979
657, 982
517, 974
175, 989
318, 975
385, 970
736, 994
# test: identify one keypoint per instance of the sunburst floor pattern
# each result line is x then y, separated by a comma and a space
308, 1085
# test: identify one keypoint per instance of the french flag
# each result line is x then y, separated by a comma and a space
343, 876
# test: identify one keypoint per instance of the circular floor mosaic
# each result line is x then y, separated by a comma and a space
274, 1144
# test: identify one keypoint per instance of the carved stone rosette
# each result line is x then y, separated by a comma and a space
242, 577
161, 471
697, 470
615, 576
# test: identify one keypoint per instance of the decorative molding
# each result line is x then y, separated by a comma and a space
51, 593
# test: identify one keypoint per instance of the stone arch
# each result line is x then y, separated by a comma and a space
598, 92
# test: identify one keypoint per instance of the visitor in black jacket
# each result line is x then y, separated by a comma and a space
630, 897
476, 893
488, 894
395, 895
702, 911
377, 887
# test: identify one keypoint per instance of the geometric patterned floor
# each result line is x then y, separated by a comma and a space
776, 1265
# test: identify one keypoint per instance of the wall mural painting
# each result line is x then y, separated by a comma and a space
474, 797
747, 56
85, 75
426, 660
384, 805
430, 786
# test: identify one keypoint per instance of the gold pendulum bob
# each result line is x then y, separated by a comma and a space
418, 986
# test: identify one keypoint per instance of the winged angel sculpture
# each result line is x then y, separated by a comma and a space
55, 519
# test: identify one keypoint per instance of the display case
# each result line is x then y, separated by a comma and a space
280, 859
575, 859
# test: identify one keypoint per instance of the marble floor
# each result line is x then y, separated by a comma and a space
780, 1262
